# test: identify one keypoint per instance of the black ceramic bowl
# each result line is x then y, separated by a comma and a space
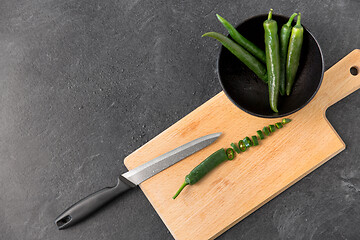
250, 94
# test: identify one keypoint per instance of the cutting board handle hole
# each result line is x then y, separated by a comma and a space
354, 70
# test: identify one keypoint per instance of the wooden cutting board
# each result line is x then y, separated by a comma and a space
237, 188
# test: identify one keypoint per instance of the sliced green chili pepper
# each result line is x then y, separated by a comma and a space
266, 131
279, 125
244, 56
272, 128
293, 55
255, 140
248, 143
260, 133
235, 147
286, 120
230, 154
203, 168
272, 60
240, 39
284, 43
217, 158
242, 146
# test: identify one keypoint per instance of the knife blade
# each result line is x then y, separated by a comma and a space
130, 179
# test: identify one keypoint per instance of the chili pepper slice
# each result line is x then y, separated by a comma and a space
266, 131
240, 39
235, 147
230, 154
293, 55
203, 168
272, 128
242, 146
286, 120
248, 143
272, 60
260, 133
244, 56
255, 140
284, 43
279, 125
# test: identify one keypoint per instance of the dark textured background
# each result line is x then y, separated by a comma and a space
84, 83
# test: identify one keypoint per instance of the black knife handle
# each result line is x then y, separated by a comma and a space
91, 203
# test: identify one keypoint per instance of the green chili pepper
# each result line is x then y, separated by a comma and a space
248, 143
235, 147
272, 60
230, 154
266, 131
242, 146
279, 125
293, 55
286, 120
217, 158
284, 43
260, 133
203, 168
244, 56
255, 140
272, 128
240, 39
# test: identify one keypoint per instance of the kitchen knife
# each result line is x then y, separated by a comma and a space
130, 179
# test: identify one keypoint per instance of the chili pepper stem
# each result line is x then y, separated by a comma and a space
298, 20
180, 189
291, 19
270, 14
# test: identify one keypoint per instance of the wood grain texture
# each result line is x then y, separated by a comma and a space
237, 188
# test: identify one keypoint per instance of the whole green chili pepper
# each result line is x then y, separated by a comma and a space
203, 168
284, 43
272, 60
244, 56
293, 55
218, 157
240, 39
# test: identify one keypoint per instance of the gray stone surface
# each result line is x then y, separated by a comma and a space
84, 83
